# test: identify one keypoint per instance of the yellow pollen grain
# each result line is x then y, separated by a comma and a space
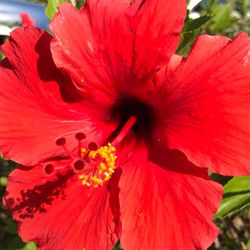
82, 176
82, 152
105, 169
102, 166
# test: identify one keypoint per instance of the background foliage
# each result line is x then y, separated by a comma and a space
233, 217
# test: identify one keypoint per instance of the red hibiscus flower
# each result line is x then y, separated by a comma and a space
114, 134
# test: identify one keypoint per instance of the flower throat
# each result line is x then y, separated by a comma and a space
129, 106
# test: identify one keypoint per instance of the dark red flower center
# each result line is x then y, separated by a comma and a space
128, 106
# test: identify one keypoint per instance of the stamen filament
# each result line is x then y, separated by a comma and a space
124, 131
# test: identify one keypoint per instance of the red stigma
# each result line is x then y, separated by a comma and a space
61, 141
79, 165
92, 146
80, 136
49, 169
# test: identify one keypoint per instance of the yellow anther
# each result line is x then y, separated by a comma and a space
111, 170
102, 166
106, 173
106, 157
82, 176
86, 183
82, 152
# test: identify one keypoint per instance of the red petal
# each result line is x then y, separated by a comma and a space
33, 114
207, 112
58, 212
166, 72
26, 20
165, 202
116, 41
74, 50
158, 24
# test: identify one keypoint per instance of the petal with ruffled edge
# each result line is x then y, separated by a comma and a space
206, 102
115, 41
58, 212
33, 113
166, 201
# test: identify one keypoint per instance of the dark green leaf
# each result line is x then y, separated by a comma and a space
223, 180
117, 246
190, 31
15, 243
194, 24
80, 3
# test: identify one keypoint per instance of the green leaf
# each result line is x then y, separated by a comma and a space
29, 246
223, 180
2, 56
80, 3
190, 31
9, 227
14, 243
236, 196
3, 181
248, 245
117, 246
194, 24
222, 17
52, 9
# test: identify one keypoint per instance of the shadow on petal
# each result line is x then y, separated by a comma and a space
175, 161
35, 200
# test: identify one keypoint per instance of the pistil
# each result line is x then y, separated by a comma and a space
124, 131
92, 164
